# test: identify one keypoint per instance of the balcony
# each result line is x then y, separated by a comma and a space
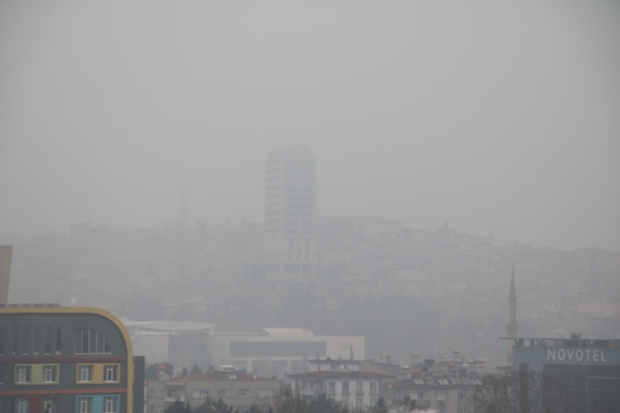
174, 399
310, 392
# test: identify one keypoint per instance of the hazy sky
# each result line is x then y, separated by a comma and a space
417, 111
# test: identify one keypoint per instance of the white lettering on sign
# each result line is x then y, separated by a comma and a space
571, 354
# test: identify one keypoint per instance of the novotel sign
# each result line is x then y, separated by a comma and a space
587, 355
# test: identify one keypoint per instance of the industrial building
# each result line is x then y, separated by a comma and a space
275, 352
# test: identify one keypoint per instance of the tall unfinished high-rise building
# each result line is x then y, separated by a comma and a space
6, 251
291, 259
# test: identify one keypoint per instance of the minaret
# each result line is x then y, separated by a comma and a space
512, 327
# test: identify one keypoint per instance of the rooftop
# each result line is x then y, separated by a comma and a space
337, 374
215, 377
564, 342
434, 381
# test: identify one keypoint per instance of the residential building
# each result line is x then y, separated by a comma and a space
67, 359
340, 381
291, 257
236, 389
441, 392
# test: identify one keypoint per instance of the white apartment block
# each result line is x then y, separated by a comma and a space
291, 258
354, 388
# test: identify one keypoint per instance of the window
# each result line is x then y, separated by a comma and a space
265, 392
49, 374
332, 386
85, 404
345, 386
441, 396
223, 393
110, 404
36, 345
48, 340
201, 393
461, 395
85, 374
2, 338
373, 386
358, 387
23, 375
110, 373
243, 409
49, 406
421, 395
89, 341
22, 406
1, 381
244, 392
58, 340
358, 402
25, 340
373, 401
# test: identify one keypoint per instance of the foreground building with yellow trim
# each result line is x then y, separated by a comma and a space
67, 359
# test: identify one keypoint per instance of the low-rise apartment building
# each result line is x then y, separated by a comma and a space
239, 390
339, 380
441, 392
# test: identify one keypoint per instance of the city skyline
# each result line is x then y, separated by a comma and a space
514, 122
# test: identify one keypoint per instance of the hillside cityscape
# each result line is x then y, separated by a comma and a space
409, 293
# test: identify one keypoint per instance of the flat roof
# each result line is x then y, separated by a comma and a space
169, 326
300, 332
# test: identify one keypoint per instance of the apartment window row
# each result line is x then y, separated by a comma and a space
299, 172
90, 341
297, 188
98, 373
298, 214
200, 393
298, 180
84, 404
265, 392
32, 340
105, 404
36, 373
